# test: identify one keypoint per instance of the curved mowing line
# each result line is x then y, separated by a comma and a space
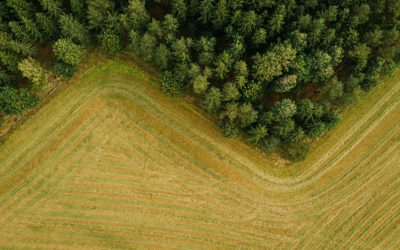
41, 184
340, 223
138, 164
365, 224
332, 217
147, 127
311, 173
364, 164
71, 139
344, 151
168, 144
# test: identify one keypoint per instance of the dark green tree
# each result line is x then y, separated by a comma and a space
13, 101
223, 65
206, 50
179, 9
110, 41
230, 92
247, 115
257, 134
53, 7
212, 100
47, 25
296, 151
98, 10
221, 14
71, 28
206, 8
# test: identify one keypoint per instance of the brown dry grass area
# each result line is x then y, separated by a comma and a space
111, 163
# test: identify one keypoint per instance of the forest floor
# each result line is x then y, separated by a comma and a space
109, 162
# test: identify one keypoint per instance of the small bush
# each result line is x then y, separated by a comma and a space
64, 69
270, 144
296, 151
110, 41
229, 130
170, 85
14, 101
68, 52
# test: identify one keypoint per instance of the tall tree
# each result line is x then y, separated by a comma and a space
179, 9
53, 7
48, 25
212, 100
32, 70
220, 16
206, 8
98, 10
68, 52
71, 28
274, 62
223, 65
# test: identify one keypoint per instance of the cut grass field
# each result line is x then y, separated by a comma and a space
111, 163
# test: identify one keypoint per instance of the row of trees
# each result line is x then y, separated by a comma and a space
275, 72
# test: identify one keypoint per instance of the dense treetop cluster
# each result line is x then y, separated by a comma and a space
274, 71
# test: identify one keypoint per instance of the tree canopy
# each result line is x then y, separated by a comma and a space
276, 72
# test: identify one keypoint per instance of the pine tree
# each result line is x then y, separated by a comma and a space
220, 16
32, 70
155, 29
206, 47
206, 10
180, 51
259, 37
137, 15
68, 52
249, 22
230, 92
71, 28
247, 115
257, 134
274, 62
162, 57
78, 8
170, 24
223, 65
53, 7
22, 8
48, 26
212, 100
97, 12
277, 20
147, 45
179, 9
200, 84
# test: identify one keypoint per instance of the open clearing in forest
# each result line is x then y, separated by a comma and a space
112, 163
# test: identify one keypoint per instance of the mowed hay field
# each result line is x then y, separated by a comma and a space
112, 163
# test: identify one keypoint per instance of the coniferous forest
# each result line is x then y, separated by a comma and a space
275, 72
